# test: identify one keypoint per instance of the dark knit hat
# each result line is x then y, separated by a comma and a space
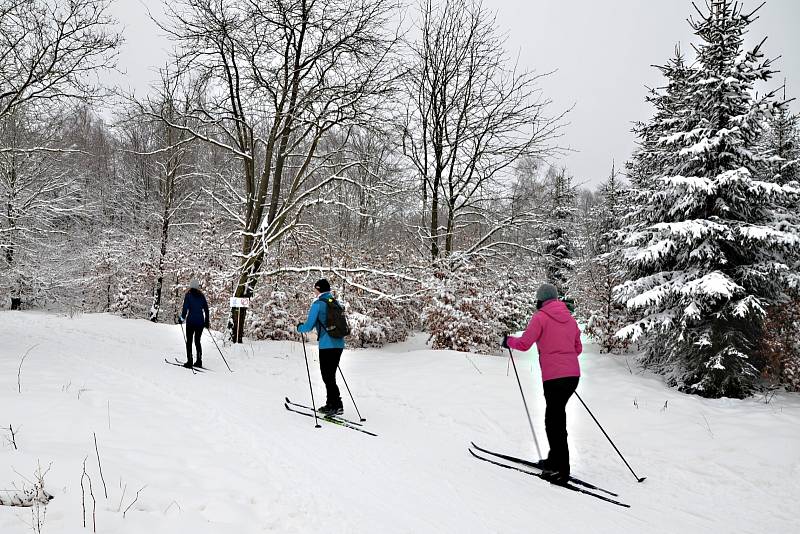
322, 285
546, 292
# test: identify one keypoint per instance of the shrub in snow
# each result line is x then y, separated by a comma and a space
273, 318
779, 347
366, 331
471, 310
122, 302
374, 323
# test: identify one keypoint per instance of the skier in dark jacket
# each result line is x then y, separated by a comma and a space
330, 348
195, 314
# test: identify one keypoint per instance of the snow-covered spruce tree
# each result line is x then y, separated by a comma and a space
781, 143
653, 155
779, 347
598, 271
706, 252
559, 246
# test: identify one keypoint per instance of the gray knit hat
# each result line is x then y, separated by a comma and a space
546, 292
194, 284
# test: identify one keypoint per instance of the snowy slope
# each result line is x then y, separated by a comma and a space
218, 453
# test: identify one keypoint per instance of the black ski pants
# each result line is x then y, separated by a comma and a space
193, 332
556, 394
328, 364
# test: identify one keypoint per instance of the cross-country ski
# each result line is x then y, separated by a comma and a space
567, 485
538, 466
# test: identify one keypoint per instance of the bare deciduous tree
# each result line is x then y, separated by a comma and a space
279, 78
50, 50
41, 196
471, 117
168, 158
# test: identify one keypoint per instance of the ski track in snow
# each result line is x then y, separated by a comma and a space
218, 452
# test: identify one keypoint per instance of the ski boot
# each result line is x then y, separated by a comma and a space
555, 476
332, 408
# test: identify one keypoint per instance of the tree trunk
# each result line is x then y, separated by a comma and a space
238, 317
244, 289
435, 216
16, 303
451, 215
156, 307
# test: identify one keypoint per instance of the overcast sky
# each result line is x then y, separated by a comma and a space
602, 52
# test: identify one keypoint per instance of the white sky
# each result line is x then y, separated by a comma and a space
602, 52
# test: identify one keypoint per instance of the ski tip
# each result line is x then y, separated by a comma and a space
286, 399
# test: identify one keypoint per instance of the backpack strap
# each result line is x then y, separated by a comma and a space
326, 303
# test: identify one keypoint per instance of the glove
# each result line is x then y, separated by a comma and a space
207, 325
504, 343
179, 320
299, 325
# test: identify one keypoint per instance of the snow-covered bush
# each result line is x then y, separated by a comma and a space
779, 347
366, 331
275, 319
471, 310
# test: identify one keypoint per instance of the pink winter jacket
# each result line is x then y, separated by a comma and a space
558, 339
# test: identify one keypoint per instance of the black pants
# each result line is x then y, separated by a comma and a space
556, 394
193, 331
328, 363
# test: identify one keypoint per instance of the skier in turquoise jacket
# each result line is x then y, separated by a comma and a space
330, 348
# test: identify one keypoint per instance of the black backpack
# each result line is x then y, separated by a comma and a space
336, 321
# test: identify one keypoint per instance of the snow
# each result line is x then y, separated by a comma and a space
218, 453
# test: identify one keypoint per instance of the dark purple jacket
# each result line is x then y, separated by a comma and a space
195, 308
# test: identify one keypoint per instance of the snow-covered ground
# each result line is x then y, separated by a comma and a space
218, 453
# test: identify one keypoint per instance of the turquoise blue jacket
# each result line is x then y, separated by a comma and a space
317, 316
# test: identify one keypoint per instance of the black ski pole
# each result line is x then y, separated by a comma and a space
220, 352
313, 405
638, 479
351, 395
524, 402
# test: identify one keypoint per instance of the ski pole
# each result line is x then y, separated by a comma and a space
351, 395
313, 405
524, 402
638, 479
220, 352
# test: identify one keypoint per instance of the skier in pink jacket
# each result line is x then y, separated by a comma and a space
558, 340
